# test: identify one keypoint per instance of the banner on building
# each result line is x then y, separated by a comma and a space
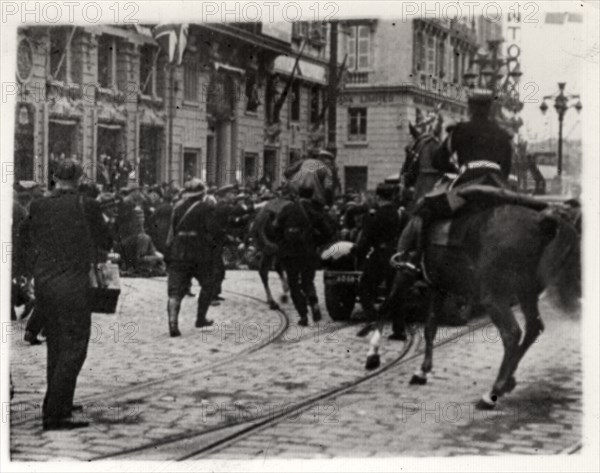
172, 38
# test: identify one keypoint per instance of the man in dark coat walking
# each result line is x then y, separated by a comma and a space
300, 227
61, 236
192, 253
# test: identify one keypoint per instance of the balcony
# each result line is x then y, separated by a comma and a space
358, 77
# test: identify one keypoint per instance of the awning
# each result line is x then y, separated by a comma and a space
63, 121
110, 126
227, 67
305, 70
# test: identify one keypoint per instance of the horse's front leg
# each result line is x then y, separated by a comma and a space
420, 377
373, 358
285, 287
263, 271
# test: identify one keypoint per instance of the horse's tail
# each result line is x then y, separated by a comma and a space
559, 269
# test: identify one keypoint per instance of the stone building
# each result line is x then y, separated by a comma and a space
107, 96
395, 71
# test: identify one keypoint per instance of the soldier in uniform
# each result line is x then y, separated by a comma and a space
61, 236
377, 241
225, 216
316, 174
484, 154
300, 227
192, 240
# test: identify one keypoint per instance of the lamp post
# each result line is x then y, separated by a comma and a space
561, 105
488, 69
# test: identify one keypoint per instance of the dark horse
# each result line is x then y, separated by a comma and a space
261, 231
508, 253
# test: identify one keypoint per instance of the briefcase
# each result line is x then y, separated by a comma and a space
105, 288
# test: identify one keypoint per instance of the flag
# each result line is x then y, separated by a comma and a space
172, 38
555, 18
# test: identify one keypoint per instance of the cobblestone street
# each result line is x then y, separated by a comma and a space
152, 397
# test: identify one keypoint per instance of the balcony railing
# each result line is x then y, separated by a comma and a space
358, 77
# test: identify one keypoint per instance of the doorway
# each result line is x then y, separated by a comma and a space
191, 164
150, 155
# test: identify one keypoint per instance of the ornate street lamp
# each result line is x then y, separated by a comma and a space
561, 105
490, 70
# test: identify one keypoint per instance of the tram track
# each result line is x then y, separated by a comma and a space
275, 336
182, 442
199, 444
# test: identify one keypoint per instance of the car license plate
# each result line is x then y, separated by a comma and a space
343, 277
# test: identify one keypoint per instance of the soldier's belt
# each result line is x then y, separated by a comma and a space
481, 164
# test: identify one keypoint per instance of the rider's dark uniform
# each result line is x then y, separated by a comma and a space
484, 154
483, 150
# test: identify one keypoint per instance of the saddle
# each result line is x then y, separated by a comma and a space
468, 199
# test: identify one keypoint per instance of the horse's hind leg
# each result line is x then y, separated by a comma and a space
263, 271
534, 326
420, 377
510, 332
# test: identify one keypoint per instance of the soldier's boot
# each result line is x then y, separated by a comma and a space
201, 320
173, 312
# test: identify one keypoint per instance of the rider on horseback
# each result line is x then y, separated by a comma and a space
484, 155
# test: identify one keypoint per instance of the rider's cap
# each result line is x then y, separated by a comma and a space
481, 97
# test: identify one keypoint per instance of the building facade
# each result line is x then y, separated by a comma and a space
108, 96
396, 71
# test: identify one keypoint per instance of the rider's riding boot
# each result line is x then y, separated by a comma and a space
409, 246
173, 311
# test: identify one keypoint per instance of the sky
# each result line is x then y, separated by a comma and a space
552, 53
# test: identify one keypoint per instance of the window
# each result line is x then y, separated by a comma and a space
358, 46
60, 53
456, 66
161, 75
357, 125
430, 55
191, 78
441, 55
107, 61
252, 93
315, 104
295, 108
148, 70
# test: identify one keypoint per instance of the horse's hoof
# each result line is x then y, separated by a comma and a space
273, 305
284, 298
373, 362
487, 402
418, 380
